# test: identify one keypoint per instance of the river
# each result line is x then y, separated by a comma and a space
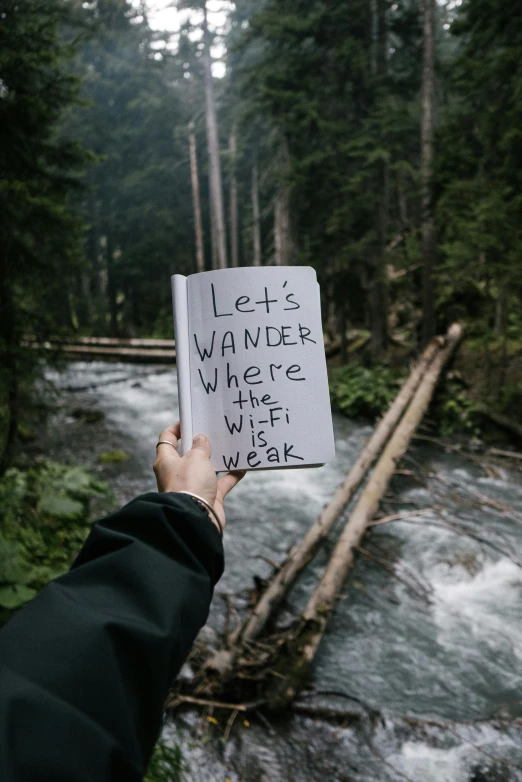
436, 634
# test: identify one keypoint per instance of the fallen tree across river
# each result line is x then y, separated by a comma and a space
301, 554
309, 629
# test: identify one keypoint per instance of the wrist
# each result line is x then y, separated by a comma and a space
205, 506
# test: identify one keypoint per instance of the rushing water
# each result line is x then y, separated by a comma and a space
435, 634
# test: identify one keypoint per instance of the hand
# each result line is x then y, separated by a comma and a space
193, 471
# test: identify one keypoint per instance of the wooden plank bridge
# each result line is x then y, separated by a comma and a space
153, 351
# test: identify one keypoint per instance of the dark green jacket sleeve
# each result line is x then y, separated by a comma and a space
86, 666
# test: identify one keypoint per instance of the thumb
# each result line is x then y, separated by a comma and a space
201, 444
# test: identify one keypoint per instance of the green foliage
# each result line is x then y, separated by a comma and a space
43, 523
166, 764
456, 414
361, 392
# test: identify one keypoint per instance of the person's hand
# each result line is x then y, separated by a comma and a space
193, 471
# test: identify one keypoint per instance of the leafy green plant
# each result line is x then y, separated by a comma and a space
456, 413
44, 520
166, 764
362, 392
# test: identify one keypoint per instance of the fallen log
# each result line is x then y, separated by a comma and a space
144, 355
327, 712
310, 627
504, 454
301, 554
132, 342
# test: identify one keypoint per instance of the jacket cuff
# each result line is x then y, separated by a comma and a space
167, 522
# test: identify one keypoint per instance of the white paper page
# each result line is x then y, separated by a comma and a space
181, 335
258, 370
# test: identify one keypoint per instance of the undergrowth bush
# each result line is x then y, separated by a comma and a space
166, 764
44, 520
457, 414
362, 392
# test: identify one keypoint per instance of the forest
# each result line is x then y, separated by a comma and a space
379, 141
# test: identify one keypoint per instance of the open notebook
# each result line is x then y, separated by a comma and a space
251, 366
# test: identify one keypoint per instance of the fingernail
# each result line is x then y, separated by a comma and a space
198, 438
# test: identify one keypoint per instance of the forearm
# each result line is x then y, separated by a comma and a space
85, 668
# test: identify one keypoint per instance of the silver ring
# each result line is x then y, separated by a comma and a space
166, 442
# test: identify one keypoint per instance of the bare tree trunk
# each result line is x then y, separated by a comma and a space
322, 601
301, 554
82, 298
216, 188
282, 227
256, 218
500, 308
378, 290
198, 225
278, 235
234, 249
9, 361
112, 288
213, 240
283, 238
428, 224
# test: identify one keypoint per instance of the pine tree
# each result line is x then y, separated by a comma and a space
138, 197
479, 170
39, 236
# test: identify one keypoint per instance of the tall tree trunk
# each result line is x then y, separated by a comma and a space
9, 347
213, 239
198, 226
283, 239
378, 289
500, 311
83, 300
234, 249
97, 278
428, 225
112, 289
256, 218
216, 189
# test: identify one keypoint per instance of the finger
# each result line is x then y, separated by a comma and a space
201, 445
227, 482
170, 435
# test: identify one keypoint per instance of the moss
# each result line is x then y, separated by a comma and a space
110, 457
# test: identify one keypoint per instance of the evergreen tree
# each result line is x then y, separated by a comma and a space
138, 194
39, 236
479, 171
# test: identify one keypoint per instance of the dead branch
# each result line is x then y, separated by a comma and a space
176, 700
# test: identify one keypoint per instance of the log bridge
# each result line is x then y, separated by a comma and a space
145, 351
